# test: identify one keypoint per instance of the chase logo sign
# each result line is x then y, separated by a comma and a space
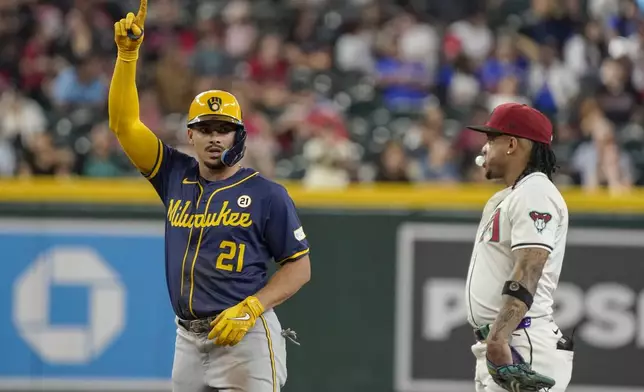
605, 301
82, 272
83, 305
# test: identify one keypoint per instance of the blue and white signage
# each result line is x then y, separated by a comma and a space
84, 302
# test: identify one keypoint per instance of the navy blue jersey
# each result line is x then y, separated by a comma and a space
221, 235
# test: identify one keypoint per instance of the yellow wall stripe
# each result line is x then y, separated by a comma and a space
137, 191
270, 352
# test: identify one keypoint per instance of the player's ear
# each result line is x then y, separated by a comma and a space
513, 145
523, 144
190, 140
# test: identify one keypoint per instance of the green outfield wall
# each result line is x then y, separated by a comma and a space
366, 324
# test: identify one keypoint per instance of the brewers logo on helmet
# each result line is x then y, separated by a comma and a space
214, 103
218, 105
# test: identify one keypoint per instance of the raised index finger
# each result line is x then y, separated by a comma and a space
143, 12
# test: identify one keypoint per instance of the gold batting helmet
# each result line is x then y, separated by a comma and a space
219, 105
214, 105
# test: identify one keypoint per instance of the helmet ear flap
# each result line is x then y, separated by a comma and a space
235, 153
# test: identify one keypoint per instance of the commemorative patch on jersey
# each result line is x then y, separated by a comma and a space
244, 201
540, 220
299, 234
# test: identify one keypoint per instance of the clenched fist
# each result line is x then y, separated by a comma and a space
128, 33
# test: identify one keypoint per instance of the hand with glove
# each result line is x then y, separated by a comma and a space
518, 376
128, 33
233, 323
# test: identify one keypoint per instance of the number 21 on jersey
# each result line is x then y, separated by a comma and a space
231, 256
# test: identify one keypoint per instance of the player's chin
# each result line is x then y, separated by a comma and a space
489, 175
214, 163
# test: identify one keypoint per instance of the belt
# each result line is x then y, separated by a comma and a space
197, 326
203, 326
481, 332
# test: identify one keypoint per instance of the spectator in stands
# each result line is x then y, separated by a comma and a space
419, 41
462, 87
35, 63
80, 84
616, 96
507, 90
174, 79
81, 39
549, 22
330, 156
376, 64
434, 157
353, 49
21, 118
393, 164
475, 37
241, 33
468, 144
102, 160
505, 63
625, 22
261, 146
584, 52
404, 83
600, 162
151, 115
551, 85
308, 42
42, 157
210, 59
269, 63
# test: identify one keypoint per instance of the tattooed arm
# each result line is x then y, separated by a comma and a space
527, 271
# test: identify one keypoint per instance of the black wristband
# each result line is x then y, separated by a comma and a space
516, 290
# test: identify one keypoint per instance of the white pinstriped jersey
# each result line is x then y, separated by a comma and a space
533, 214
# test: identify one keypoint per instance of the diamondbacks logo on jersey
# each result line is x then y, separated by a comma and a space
540, 219
214, 103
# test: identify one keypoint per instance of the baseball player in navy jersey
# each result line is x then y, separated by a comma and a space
517, 259
224, 224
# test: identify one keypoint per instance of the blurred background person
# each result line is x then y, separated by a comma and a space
333, 93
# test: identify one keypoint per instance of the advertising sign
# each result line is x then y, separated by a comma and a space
83, 305
601, 293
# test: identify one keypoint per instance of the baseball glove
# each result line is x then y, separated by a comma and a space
519, 377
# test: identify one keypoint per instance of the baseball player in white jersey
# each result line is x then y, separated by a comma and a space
517, 259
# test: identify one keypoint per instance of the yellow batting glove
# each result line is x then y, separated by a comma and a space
232, 324
128, 33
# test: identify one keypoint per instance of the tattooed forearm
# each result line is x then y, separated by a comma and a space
508, 319
528, 267
527, 271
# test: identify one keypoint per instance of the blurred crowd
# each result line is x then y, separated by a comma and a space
333, 92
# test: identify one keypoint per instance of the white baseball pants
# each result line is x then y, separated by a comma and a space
256, 364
